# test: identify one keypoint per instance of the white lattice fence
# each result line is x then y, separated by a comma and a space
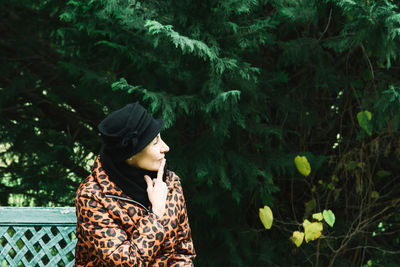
37, 236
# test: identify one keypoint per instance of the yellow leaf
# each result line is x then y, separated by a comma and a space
314, 189
374, 194
318, 216
305, 223
302, 165
266, 216
335, 178
312, 231
297, 238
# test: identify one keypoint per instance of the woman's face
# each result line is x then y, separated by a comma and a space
151, 156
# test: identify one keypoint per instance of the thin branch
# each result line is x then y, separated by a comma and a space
327, 25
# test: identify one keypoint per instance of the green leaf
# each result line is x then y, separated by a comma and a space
383, 173
364, 120
302, 165
329, 217
310, 205
266, 217
358, 84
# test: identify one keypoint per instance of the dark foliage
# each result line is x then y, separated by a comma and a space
244, 87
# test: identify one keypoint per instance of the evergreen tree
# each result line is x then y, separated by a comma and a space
244, 87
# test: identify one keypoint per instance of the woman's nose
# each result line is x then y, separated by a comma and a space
164, 148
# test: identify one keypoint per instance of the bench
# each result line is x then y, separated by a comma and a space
37, 236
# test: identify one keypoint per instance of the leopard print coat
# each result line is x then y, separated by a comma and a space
114, 230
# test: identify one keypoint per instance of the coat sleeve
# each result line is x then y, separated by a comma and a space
184, 252
111, 244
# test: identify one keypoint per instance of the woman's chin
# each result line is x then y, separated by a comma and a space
153, 168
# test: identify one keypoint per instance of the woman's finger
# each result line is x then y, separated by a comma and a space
149, 182
160, 171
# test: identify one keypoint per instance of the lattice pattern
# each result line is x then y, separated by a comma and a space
37, 245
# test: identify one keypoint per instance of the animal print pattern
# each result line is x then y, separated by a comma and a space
113, 230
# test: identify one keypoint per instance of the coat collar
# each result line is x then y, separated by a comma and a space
106, 185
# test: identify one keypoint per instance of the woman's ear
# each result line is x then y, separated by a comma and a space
131, 161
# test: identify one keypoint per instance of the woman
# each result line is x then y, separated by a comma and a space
131, 210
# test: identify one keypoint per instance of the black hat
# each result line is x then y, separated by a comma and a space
128, 130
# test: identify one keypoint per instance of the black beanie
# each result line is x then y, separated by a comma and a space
128, 130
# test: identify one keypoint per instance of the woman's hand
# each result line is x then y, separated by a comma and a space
157, 191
